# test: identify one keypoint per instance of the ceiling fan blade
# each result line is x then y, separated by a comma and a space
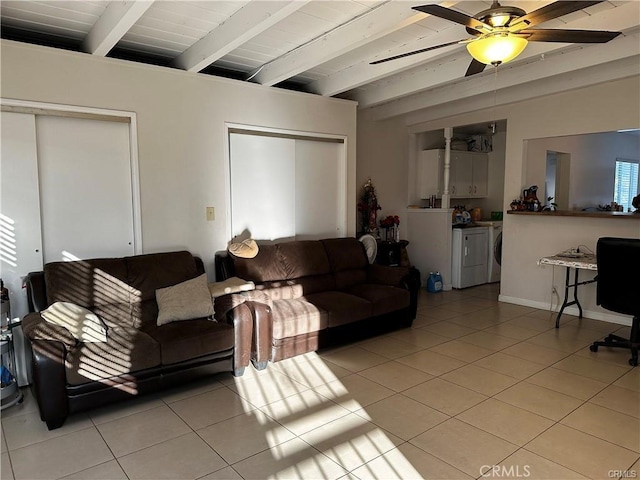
549, 12
422, 50
456, 17
474, 67
569, 36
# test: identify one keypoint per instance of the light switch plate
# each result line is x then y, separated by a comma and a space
211, 214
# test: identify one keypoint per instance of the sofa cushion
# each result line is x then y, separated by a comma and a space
264, 267
184, 301
293, 317
126, 350
303, 258
384, 298
98, 284
147, 273
341, 307
348, 278
191, 339
345, 254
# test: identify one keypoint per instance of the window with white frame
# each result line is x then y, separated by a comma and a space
626, 182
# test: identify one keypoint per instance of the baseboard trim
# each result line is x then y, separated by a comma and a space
602, 316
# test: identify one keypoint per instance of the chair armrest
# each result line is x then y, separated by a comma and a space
36, 328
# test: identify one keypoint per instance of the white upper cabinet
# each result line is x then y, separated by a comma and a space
468, 174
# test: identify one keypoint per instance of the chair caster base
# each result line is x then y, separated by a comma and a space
593, 348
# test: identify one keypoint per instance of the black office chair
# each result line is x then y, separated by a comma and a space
618, 288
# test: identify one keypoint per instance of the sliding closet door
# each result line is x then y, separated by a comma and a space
20, 244
284, 187
319, 190
85, 188
262, 193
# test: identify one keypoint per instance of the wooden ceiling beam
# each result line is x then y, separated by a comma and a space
376, 23
113, 24
251, 20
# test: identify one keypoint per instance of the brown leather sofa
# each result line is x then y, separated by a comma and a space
314, 293
138, 356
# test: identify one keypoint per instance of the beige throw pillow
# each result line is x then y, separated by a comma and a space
82, 323
184, 301
246, 249
230, 285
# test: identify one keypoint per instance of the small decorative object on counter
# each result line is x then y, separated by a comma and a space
434, 282
530, 198
550, 206
460, 215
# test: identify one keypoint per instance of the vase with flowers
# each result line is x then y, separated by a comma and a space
390, 224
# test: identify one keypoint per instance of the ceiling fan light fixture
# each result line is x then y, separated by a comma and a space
494, 49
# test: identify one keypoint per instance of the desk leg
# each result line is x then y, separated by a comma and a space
566, 302
575, 294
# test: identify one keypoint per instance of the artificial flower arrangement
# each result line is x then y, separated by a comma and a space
390, 221
390, 224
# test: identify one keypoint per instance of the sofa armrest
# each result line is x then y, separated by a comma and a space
224, 304
285, 291
36, 291
49, 381
386, 275
402, 277
36, 328
247, 312
250, 314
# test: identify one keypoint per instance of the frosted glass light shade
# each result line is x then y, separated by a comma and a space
496, 49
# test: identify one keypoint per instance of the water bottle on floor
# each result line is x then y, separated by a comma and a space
434, 282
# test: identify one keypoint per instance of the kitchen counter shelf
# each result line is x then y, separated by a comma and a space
572, 213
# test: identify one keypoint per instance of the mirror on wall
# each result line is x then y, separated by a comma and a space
585, 172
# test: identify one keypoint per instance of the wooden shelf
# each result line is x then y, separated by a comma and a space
573, 213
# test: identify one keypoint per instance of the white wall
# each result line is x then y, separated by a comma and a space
382, 156
604, 107
182, 142
593, 161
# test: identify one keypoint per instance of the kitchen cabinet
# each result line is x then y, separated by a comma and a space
468, 174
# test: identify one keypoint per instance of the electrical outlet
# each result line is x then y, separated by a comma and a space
211, 214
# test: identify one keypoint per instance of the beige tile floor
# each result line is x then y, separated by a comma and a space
476, 389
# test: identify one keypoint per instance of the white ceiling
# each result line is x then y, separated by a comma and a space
324, 47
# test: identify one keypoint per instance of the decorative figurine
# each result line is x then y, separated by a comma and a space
368, 207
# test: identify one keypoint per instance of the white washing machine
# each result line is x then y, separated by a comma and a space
495, 250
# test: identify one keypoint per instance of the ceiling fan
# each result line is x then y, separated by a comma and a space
502, 33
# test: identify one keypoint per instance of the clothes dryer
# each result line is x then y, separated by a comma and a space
495, 250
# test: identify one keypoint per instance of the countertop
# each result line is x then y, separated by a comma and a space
574, 213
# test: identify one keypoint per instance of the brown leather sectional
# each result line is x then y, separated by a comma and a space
138, 356
313, 293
